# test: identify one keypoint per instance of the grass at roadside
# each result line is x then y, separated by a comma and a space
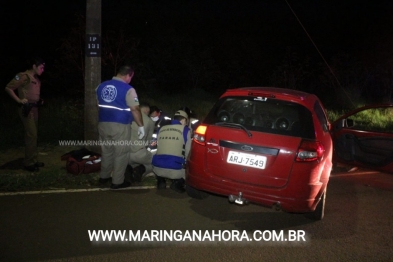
53, 176
62, 119
53, 179
44, 180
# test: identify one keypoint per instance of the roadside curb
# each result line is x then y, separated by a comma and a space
56, 191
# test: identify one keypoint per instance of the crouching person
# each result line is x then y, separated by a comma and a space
173, 146
140, 159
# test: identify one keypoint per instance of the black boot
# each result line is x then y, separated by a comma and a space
178, 185
129, 174
161, 182
138, 173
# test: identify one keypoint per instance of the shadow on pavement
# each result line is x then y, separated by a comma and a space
13, 164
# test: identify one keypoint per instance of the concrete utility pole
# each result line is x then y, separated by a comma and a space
92, 70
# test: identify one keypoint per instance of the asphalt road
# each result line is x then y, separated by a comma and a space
54, 227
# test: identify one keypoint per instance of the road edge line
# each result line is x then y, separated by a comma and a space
71, 191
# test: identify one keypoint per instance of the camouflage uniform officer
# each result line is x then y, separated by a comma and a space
28, 85
173, 146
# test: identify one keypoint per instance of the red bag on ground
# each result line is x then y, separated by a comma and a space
82, 161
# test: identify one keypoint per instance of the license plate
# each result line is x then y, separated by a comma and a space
249, 160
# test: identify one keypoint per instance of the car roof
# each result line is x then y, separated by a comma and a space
276, 92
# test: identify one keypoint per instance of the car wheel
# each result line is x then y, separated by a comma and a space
319, 211
195, 193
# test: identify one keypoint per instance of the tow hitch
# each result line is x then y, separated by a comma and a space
238, 199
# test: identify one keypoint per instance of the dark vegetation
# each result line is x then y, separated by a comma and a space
189, 52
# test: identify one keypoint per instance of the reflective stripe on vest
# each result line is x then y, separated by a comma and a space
111, 96
117, 108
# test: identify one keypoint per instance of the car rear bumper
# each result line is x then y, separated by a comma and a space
290, 198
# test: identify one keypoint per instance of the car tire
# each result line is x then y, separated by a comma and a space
319, 211
195, 193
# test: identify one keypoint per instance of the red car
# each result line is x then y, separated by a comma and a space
364, 138
265, 145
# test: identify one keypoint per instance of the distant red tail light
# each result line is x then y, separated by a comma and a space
310, 151
199, 136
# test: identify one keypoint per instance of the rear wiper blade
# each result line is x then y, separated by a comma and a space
235, 125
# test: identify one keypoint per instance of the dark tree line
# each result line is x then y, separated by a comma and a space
172, 58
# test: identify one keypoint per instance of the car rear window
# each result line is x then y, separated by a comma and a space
263, 115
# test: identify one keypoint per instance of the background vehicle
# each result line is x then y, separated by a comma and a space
265, 145
364, 137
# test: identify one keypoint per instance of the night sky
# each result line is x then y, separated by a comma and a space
336, 26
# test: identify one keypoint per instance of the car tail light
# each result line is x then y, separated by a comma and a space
199, 136
309, 151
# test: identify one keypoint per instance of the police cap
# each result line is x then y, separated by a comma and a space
181, 113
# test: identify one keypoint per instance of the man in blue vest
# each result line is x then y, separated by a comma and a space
173, 146
118, 107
